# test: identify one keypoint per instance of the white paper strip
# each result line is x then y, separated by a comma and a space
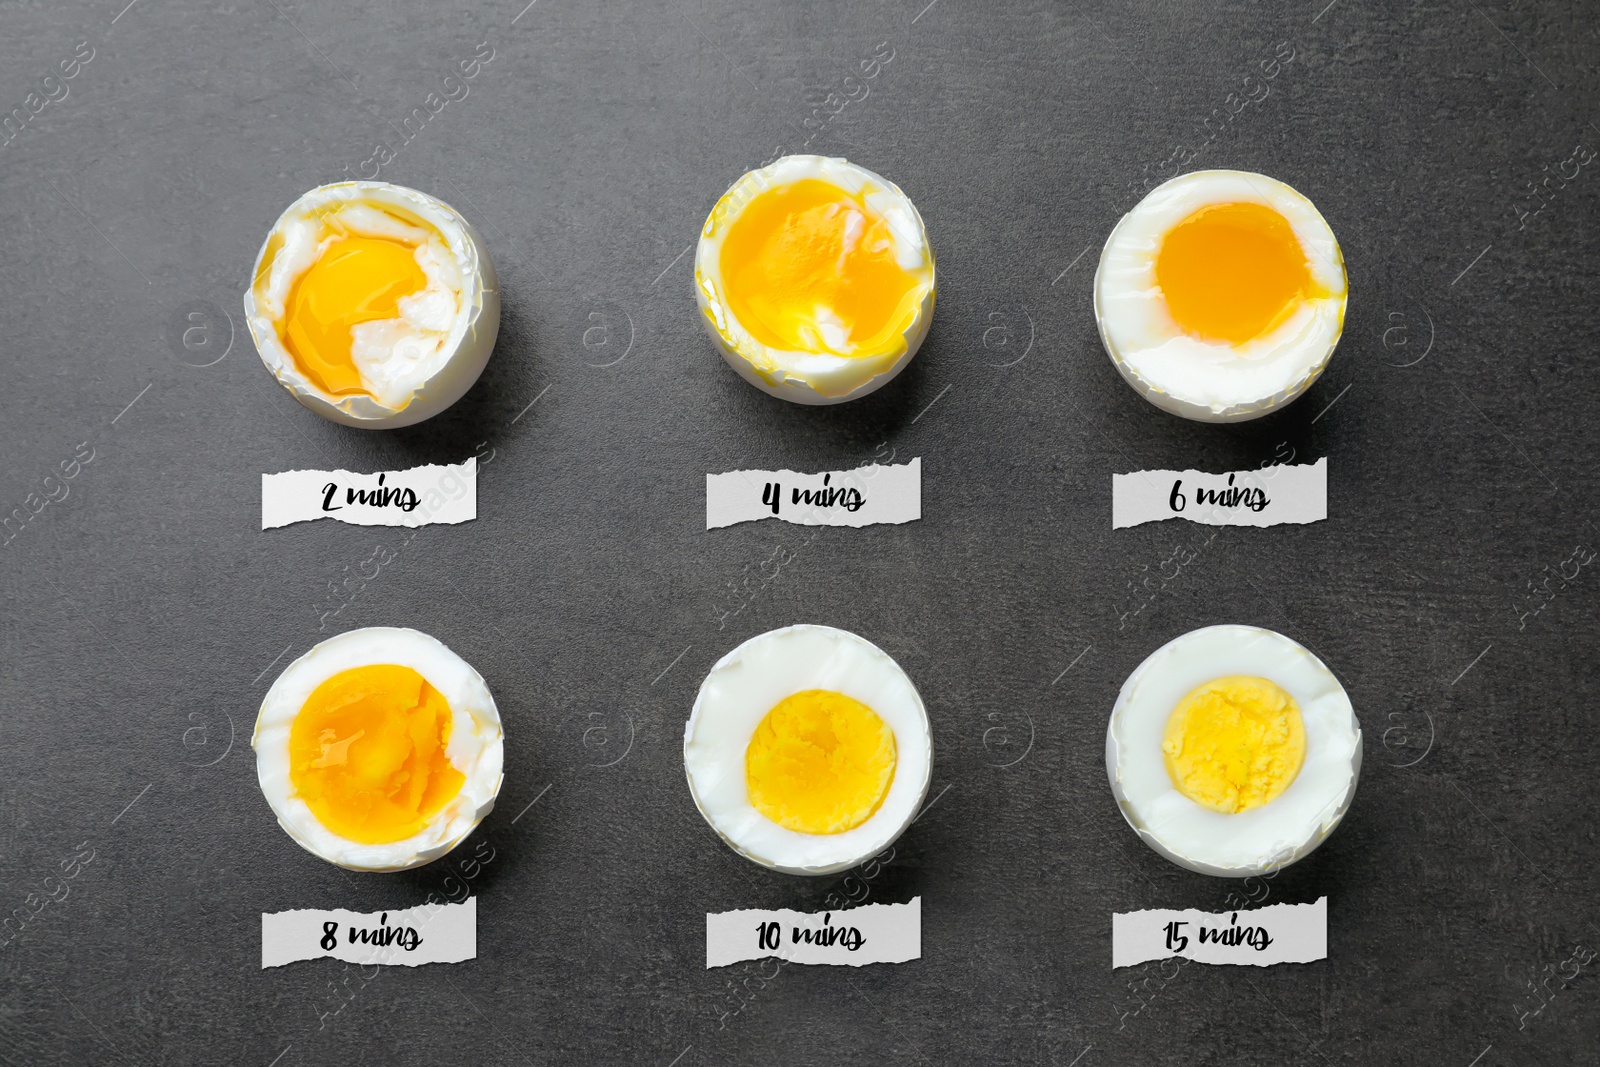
1266, 497
420, 496
430, 933
1278, 933
865, 496
873, 933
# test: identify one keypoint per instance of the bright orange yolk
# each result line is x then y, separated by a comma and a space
1231, 272
356, 280
367, 753
819, 763
807, 267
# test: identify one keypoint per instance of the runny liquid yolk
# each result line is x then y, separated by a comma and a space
1234, 743
819, 763
1232, 272
808, 267
367, 753
357, 279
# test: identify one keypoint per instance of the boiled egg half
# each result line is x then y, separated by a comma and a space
1233, 750
380, 749
808, 750
374, 305
815, 279
1221, 295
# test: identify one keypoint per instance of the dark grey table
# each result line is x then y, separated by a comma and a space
146, 612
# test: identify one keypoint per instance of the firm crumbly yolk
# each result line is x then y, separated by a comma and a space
820, 763
1234, 743
808, 267
367, 753
355, 280
1231, 272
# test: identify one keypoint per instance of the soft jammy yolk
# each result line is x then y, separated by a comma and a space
367, 753
808, 254
356, 280
819, 763
1231, 272
1234, 743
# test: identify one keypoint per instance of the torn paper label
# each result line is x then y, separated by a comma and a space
429, 933
1277, 933
874, 933
865, 496
421, 496
1267, 497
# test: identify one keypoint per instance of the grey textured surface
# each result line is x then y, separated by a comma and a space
145, 613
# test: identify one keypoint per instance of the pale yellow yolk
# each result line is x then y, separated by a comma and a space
819, 763
355, 280
1234, 743
1231, 272
809, 254
367, 753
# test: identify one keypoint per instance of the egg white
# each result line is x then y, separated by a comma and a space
739, 692
475, 748
1214, 381
812, 377
1273, 835
415, 366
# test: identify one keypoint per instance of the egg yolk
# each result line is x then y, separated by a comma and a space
355, 280
1231, 272
819, 763
367, 753
808, 267
1234, 743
